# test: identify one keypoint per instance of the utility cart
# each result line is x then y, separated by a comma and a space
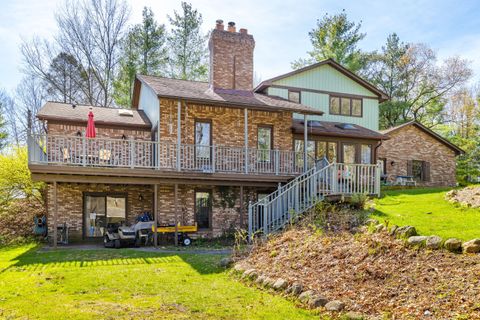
182, 232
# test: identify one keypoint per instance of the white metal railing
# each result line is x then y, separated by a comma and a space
103, 152
284, 205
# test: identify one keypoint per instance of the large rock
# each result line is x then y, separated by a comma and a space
379, 227
371, 221
226, 262
406, 232
354, 316
434, 242
335, 305
393, 230
268, 282
453, 245
472, 246
260, 279
239, 268
280, 284
305, 296
250, 274
417, 241
295, 289
317, 301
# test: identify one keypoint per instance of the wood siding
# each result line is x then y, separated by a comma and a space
325, 78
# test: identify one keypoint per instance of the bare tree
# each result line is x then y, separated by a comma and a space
85, 52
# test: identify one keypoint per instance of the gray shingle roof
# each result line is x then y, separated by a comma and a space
334, 129
103, 116
198, 91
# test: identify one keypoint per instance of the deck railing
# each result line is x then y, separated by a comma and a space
281, 207
103, 152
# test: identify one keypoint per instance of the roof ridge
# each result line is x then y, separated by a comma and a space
170, 78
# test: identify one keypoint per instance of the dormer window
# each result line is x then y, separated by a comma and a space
294, 96
346, 106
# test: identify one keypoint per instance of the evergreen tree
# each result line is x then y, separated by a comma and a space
335, 37
151, 40
188, 50
129, 66
143, 51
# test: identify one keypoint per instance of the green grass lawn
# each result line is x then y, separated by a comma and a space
429, 212
128, 284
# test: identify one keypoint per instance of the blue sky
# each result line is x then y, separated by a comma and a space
280, 27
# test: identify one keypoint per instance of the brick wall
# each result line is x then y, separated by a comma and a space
55, 128
71, 206
70, 202
231, 60
411, 143
227, 124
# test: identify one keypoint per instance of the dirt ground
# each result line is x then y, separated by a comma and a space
375, 274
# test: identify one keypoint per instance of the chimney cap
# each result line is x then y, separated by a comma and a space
231, 24
219, 21
243, 31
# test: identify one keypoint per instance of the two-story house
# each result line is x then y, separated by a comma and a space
199, 152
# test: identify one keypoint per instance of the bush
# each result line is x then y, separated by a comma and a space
20, 198
337, 216
16, 220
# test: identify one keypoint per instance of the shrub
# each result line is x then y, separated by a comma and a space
335, 217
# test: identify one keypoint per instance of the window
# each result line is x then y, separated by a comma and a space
264, 143
294, 96
300, 152
349, 153
346, 106
356, 107
203, 139
419, 170
203, 209
334, 105
326, 149
366, 153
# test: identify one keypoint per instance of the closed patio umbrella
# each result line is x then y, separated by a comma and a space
90, 126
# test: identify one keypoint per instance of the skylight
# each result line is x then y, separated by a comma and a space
312, 123
346, 126
125, 112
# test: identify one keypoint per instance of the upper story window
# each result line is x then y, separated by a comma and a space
294, 96
346, 106
264, 142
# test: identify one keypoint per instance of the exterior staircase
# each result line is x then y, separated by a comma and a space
288, 202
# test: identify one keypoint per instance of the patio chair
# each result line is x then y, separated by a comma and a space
105, 156
65, 154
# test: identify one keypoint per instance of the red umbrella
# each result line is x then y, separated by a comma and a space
90, 126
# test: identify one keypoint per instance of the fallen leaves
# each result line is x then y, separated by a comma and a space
374, 273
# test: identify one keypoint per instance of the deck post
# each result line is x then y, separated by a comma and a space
132, 152
250, 222
245, 134
377, 177
241, 206
55, 214
305, 140
84, 150
155, 215
176, 213
179, 133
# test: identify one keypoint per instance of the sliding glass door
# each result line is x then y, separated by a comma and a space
100, 210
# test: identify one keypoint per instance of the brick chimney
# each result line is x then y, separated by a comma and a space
231, 57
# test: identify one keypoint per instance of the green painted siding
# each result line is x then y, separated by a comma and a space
328, 79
